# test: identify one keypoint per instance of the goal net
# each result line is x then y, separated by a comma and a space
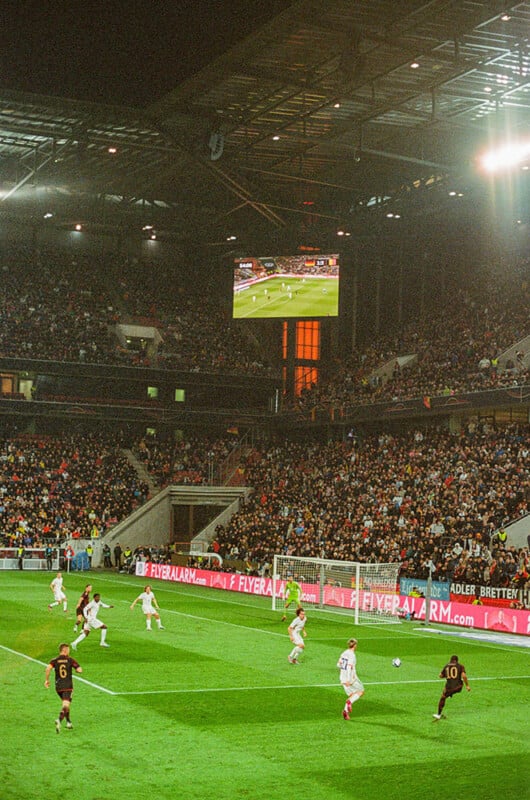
369, 592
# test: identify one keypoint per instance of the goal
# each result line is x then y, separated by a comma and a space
369, 592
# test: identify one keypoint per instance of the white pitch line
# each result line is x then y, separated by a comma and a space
485, 635
307, 686
396, 630
45, 664
173, 589
343, 619
217, 621
255, 688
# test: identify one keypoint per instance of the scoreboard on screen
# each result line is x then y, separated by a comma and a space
322, 261
286, 286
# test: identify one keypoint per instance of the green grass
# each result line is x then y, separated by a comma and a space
210, 707
308, 298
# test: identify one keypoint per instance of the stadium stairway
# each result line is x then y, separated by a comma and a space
141, 471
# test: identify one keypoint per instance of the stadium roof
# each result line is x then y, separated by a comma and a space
332, 108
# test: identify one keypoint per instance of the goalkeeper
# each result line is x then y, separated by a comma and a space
293, 594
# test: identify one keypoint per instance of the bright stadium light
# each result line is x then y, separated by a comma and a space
505, 157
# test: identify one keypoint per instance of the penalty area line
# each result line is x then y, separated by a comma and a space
214, 621
45, 664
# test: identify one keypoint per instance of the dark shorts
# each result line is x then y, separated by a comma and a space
79, 611
65, 694
451, 692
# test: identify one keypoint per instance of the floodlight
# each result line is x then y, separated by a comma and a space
509, 155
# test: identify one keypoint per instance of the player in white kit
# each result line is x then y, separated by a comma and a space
353, 687
296, 630
58, 593
92, 623
150, 607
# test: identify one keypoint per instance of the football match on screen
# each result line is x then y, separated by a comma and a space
286, 286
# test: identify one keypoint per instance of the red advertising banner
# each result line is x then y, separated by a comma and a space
444, 612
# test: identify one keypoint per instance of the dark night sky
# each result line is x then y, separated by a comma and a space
125, 52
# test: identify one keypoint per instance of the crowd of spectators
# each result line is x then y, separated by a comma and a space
54, 488
456, 346
54, 306
421, 499
193, 318
429, 500
195, 460
59, 306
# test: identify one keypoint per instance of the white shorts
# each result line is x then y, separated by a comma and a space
353, 688
149, 610
93, 624
297, 639
59, 596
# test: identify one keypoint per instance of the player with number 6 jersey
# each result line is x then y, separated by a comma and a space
63, 665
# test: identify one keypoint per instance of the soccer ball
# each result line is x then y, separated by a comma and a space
396, 662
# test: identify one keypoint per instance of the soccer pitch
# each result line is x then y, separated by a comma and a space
211, 708
286, 296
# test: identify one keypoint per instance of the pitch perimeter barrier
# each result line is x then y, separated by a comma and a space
444, 612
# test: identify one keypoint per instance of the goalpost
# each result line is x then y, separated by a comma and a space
369, 592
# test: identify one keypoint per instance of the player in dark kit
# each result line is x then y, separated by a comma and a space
63, 666
83, 601
455, 677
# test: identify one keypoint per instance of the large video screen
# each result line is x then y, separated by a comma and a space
286, 286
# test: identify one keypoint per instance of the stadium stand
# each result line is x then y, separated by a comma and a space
65, 307
456, 346
55, 488
415, 498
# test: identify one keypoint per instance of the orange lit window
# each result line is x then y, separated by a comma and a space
308, 340
304, 378
284, 341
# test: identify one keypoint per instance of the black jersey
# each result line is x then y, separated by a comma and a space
84, 600
452, 673
63, 666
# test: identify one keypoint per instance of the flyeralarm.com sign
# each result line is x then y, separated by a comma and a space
441, 611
